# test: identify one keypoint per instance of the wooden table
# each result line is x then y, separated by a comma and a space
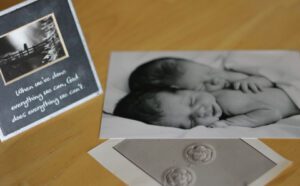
54, 153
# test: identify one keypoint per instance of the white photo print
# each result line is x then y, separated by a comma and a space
202, 94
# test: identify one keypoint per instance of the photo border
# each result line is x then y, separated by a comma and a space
44, 66
90, 61
113, 160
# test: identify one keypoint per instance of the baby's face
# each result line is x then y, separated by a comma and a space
187, 108
201, 77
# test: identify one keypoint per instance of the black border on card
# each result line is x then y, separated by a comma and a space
72, 105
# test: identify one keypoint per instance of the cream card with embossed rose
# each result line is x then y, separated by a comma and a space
191, 162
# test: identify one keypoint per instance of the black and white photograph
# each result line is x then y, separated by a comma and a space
202, 94
190, 162
45, 65
31, 47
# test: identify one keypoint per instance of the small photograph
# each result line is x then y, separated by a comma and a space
191, 162
205, 94
30, 48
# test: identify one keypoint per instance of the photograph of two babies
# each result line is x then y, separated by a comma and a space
248, 90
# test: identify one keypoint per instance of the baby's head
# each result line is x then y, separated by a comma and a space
174, 108
176, 73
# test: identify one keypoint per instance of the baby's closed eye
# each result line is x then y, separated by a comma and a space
199, 87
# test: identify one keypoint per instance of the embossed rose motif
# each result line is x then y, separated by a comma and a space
178, 177
199, 153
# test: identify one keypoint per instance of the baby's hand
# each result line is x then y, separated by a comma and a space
215, 84
219, 124
252, 84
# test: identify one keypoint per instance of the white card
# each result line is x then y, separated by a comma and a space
190, 162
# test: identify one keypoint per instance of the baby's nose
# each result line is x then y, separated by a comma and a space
200, 112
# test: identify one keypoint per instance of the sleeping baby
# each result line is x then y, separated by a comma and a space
189, 108
179, 103
182, 73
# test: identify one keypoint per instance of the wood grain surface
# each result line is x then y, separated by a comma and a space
54, 153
